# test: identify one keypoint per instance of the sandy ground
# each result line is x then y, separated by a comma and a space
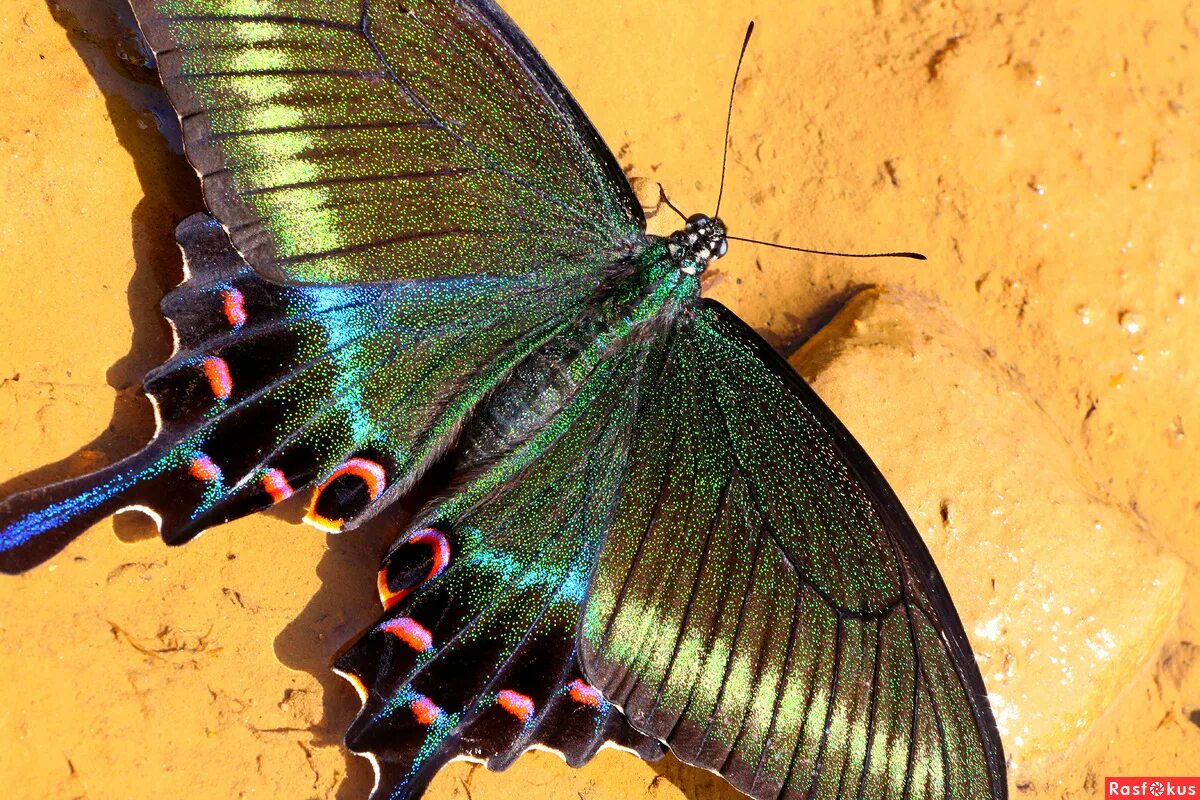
1046, 156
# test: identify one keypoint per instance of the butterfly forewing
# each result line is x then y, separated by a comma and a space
368, 140
763, 604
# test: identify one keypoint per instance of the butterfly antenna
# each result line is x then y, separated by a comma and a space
914, 256
662, 198
729, 115
725, 162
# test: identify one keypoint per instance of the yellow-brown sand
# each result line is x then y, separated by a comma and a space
1046, 156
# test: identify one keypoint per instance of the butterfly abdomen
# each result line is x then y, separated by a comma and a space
638, 303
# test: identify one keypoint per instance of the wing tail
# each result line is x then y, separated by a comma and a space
179, 473
35, 525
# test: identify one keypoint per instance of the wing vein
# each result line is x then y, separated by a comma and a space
737, 635
690, 605
290, 72
866, 768
278, 19
798, 608
942, 744
359, 179
637, 556
419, 124
409, 236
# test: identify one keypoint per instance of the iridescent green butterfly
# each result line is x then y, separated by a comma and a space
421, 253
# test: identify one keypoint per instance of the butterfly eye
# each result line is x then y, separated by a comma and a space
722, 248
698, 221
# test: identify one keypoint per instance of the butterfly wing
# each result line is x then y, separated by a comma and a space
763, 603
366, 140
477, 654
406, 202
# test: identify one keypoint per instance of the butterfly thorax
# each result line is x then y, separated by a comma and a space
701, 241
637, 300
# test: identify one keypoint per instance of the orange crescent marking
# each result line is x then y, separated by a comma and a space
276, 484
441, 549
217, 371
515, 703
585, 693
409, 631
320, 522
425, 710
203, 469
235, 308
386, 596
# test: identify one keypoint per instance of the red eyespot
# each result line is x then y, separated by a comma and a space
440, 548
373, 476
203, 469
585, 693
425, 710
276, 484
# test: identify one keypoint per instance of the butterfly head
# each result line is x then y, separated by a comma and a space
702, 240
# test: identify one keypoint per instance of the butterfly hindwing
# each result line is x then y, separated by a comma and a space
762, 602
477, 654
275, 387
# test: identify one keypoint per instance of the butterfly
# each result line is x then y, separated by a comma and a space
419, 256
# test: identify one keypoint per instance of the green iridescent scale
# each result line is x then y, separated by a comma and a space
349, 141
420, 253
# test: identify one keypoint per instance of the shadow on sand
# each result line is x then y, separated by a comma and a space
101, 32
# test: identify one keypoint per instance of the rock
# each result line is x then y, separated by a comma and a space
1062, 595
